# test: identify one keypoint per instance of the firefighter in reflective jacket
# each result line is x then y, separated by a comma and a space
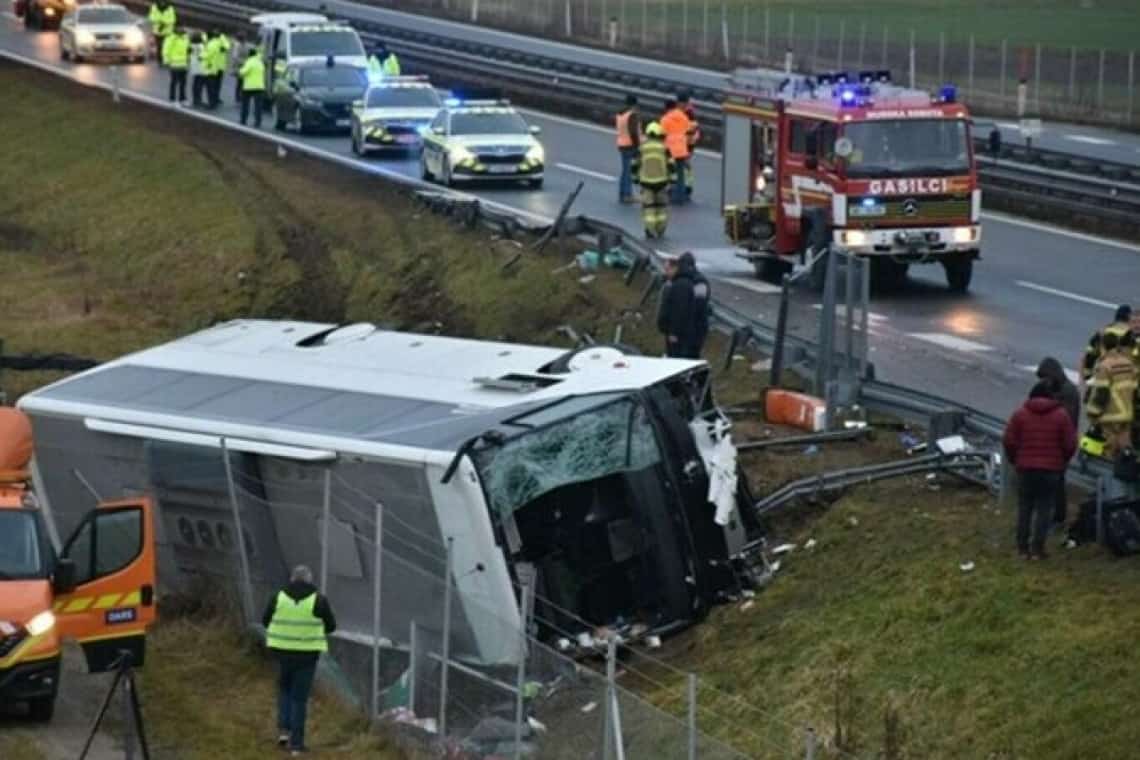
651, 169
686, 105
297, 623
1111, 399
1095, 349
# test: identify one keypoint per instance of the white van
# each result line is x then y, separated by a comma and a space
287, 38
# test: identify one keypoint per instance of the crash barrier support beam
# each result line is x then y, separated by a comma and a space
828, 436
526, 604
614, 748
446, 643
556, 230
239, 533
134, 728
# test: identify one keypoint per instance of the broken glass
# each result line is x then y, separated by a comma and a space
590, 445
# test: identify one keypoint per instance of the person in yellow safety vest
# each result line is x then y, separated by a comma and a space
199, 71
1111, 399
176, 57
163, 19
217, 52
1095, 350
628, 126
685, 104
297, 623
252, 74
652, 167
375, 63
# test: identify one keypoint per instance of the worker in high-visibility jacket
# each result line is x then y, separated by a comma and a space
176, 57
390, 65
627, 124
685, 103
1121, 324
678, 129
1111, 399
297, 621
652, 167
252, 75
217, 56
163, 18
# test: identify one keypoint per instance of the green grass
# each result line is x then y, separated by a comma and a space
18, 746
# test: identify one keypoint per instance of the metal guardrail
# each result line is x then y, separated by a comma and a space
1053, 184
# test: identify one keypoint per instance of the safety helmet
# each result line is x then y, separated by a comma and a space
654, 130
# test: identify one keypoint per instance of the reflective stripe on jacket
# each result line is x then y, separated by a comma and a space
294, 627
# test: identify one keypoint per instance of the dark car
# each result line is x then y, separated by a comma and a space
311, 97
43, 14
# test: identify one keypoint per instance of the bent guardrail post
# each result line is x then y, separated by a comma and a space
777, 373
556, 227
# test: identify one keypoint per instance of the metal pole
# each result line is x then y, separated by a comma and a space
1037, 81
377, 577
413, 642
446, 647
941, 58
826, 325
865, 317
849, 297
970, 85
326, 517
612, 699
815, 45
474, 11
1073, 72
862, 43
692, 716
644, 23
608, 717
724, 30
520, 676
791, 29
777, 372
243, 560
767, 31
115, 77
1131, 83
1004, 49
842, 34
1100, 83
684, 24
705, 31
911, 60
569, 21
743, 49
883, 56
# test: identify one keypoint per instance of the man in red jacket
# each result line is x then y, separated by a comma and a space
1039, 441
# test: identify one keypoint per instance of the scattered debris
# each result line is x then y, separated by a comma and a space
952, 444
853, 521
587, 279
784, 549
747, 605
812, 450
967, 567
810, 544
764, 365
653, 642
588, 708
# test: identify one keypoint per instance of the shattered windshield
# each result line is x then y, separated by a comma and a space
902, 147
589, 445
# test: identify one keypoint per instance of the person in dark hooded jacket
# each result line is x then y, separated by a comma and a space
1039, 441
297, 621
683, 316
1064, 391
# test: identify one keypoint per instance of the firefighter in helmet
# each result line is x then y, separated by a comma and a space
1111, 398
1095, 348
652, 168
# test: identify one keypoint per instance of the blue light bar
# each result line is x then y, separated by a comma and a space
453, 102
847, 96
948, 93
868, 202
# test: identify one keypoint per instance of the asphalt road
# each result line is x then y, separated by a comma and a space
1093, 142
1037, 291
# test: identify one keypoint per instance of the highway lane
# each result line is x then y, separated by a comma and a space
974, 349
1093, 142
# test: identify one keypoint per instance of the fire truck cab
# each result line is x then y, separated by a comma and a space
852, 161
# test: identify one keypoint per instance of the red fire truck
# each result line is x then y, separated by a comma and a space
855, 161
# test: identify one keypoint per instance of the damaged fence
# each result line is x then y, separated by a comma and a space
419, 643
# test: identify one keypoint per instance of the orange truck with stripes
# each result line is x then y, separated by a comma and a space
97, 588
850, 159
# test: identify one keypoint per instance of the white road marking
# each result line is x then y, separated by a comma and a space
756, 286
587, 172
1009, 125
841, 310
1072, 374
953, 342
1050, 229
1065, 294
1090, 140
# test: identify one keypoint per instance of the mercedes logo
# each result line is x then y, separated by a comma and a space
910, 207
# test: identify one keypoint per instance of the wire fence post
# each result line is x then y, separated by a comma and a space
744, 46
724, 30
1131, 84
326, 518
526, 595
941, 58
239, 532
684, 24
839, 52
692, 716
1004, 50
377, 585
615, 745
814, 45
413, 648
705, 31
767, 31
809, 744
910, 61
474, 11
1073, 72
862, 43
446, 647
970, 76
1037, 80
1100, 84
569, 20
644, 23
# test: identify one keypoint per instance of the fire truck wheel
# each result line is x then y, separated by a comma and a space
958, 273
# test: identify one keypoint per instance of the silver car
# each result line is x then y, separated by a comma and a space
102, 32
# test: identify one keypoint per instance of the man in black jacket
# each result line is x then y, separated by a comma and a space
683, 316
297, 622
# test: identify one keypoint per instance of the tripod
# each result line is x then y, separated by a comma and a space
133, 730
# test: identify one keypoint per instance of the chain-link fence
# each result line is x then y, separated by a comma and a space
448, 669
1061, 82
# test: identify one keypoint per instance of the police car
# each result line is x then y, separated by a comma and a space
483, 140
394, 115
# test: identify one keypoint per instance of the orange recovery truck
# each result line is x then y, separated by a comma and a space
98, 589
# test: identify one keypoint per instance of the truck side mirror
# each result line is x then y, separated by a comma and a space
63, 579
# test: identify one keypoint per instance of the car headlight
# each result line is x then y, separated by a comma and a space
964, 234
41, 623
459, 154
84, 37
134, 37
855, 237
49, 12
536, 154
